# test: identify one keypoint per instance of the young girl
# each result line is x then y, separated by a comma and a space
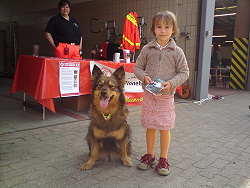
163, 58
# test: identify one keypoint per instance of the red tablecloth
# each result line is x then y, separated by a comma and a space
39, 77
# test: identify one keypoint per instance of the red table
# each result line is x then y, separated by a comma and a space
39, 77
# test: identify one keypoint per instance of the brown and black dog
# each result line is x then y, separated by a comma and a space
109, 135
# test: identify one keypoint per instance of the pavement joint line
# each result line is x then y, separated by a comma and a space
235, 93
70, 114
59, 109
44, 126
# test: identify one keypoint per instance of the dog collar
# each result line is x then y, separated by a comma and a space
106, 117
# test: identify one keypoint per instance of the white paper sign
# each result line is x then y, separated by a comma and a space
69, 73
133, 85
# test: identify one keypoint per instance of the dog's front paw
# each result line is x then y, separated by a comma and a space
127, 162
86, 166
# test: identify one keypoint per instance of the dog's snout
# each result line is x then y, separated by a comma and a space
104, 92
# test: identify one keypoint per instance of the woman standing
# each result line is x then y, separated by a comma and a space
64, 34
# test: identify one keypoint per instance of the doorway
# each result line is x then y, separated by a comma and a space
223, 36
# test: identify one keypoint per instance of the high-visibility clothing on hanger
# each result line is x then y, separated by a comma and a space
131, 37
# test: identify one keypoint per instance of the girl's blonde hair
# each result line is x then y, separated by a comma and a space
166, 17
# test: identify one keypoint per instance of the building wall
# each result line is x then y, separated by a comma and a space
30, 26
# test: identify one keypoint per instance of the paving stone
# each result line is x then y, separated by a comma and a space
239, 181
25, 163
210, 147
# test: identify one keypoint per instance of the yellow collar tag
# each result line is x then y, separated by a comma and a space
106, 117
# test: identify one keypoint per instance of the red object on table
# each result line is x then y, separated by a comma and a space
39, 77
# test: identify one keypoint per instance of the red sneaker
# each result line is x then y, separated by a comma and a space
163, 167
146, 161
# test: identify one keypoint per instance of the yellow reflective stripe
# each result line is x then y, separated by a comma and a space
129, 41
132, 19
237, 82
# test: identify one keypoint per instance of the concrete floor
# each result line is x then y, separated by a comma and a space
210, 146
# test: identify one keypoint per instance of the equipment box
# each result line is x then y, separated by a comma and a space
77, 103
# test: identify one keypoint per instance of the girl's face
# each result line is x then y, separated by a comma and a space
163, 31
64, 10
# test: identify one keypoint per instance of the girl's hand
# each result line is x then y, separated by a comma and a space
147, 80
166, 86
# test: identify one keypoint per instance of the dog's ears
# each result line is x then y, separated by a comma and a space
119, 73
96, 72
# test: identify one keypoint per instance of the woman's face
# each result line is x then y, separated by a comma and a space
64, 10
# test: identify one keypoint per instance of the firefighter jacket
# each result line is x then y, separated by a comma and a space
131, 37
